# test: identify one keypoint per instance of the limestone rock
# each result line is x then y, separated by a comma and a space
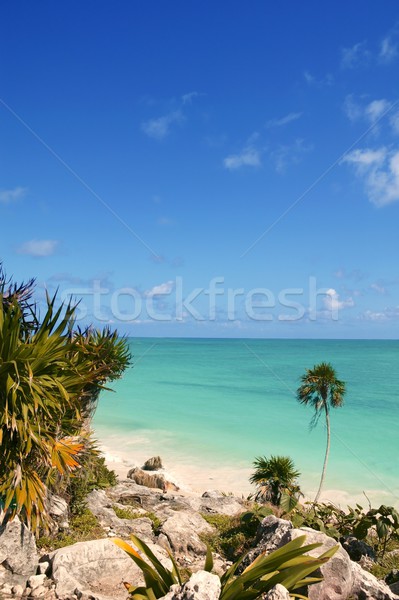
92, 564
201, 586
272, 534
101, 506
223, 505
368, 587
152, 481
182, 531
337, 572
153, 464
278, 592
18, 554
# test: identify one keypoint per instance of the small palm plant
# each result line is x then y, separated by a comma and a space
275, 477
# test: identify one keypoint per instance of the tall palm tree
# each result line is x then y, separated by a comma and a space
273, 476
322, 390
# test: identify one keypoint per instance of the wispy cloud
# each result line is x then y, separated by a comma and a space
159, 128
389, 48
325, 81
10, 196
390, 313
290, 154
249, 157
160, 290
293, 116
38, 248
333, 302
379, 170
356, 56
188, 98
370, 112
379, 288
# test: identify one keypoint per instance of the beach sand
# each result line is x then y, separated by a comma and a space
196, 479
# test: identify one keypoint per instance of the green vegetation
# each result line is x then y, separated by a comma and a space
274, 477
234, 535
379, 527
288, 566
50, 379
93, 475
130, 513
322, 390
83, 527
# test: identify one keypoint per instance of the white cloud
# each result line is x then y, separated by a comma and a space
249, 157
333, 302
390, 313
38, 248
310, 79
356, 56
293, 116
161, 289
188, 98
291, 154
376, 109
388, 50
160, 127
379, 170
380, 289
9, 196
394, 121
371, 112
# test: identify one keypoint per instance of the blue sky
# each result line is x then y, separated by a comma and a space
205, 169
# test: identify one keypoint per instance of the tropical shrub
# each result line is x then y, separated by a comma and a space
50, 377
288, 566
379, 526
274, 477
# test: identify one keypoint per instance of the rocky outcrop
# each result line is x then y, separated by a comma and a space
18, 553
343, 578
181, 533
156, 481
279, 592
368, 587
201, 586
153, 464
95, 570
98, 565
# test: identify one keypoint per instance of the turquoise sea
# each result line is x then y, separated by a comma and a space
213, 405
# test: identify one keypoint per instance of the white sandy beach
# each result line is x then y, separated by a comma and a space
195, 479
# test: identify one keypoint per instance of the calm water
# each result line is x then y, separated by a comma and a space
215, 402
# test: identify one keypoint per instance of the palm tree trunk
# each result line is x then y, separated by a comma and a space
323, 474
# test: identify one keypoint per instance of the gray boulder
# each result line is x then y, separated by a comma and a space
278, 592
337, 572
201, 586
98, 565
18, 553
58, 510
155, 481
101, 506
368, 587
153, 464
182, 531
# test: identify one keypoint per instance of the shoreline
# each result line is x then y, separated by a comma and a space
194, 479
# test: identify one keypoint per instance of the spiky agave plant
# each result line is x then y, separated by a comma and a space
289, 566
